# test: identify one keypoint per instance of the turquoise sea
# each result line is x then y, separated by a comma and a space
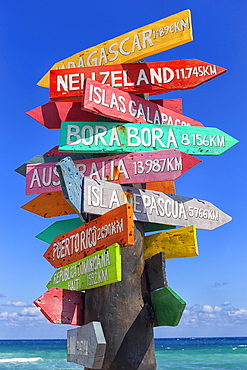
179, 354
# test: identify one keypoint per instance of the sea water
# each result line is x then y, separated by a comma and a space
179, 354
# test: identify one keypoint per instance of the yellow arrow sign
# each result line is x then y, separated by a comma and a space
178, 243
154, 38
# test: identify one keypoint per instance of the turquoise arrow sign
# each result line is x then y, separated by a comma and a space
112, 137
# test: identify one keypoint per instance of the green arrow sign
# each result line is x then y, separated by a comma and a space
111, 137
100, 268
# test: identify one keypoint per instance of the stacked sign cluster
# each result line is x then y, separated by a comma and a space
112, 137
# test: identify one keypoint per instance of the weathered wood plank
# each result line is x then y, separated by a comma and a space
116, 226
155, 269
129, 168
168, 307
101, 268
163, 186
122, 106
58, 228
111, 137
136, 78
179, 243
51, 114
86, 345
100, 196
49, 205
159, 36
62, 306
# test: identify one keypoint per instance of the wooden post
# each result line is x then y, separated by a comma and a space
125, 313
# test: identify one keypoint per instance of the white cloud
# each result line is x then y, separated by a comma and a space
226, 303
16, 304
27, 316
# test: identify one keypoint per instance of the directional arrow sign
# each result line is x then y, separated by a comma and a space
52, 156
57, 228
122, 106
168, 307
101, 268
49, 205
86, 345
136, 78
52, 114
179, 243
116, 225
62, 306
111, 137
159, 36
65, 226
129, 168
97, 197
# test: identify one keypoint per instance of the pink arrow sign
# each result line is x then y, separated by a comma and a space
62, 306
128, 168
122, 106
52, 114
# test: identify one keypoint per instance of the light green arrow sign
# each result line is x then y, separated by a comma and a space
112, 137
100, 268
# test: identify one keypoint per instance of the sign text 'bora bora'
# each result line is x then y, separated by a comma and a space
154, 38
129, 168
111, 137
136, 78
116, 225
101, 268
112, 103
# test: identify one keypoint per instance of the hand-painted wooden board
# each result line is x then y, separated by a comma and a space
179, 243
62, 306
100, 196
159, 36
155, 270
163, 186
53, 156
64, 226
86, 345
51, 114
168, 307
49, 205
122, 106
101, 268
136, 78
129, 168
111, 137
58, 228
114, 226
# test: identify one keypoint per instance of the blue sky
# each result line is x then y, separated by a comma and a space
35, 35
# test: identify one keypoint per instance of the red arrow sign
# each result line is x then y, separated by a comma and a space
52, 114
122, 106
136, 78
62, 306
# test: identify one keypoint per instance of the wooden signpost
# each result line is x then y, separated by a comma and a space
154, 38
129, 168
136, 78
155, 270
168, 307
178, 243
86, 345
115, 225
110, 137
97, 197
122, 106
51, 114
100, 268
62, 306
